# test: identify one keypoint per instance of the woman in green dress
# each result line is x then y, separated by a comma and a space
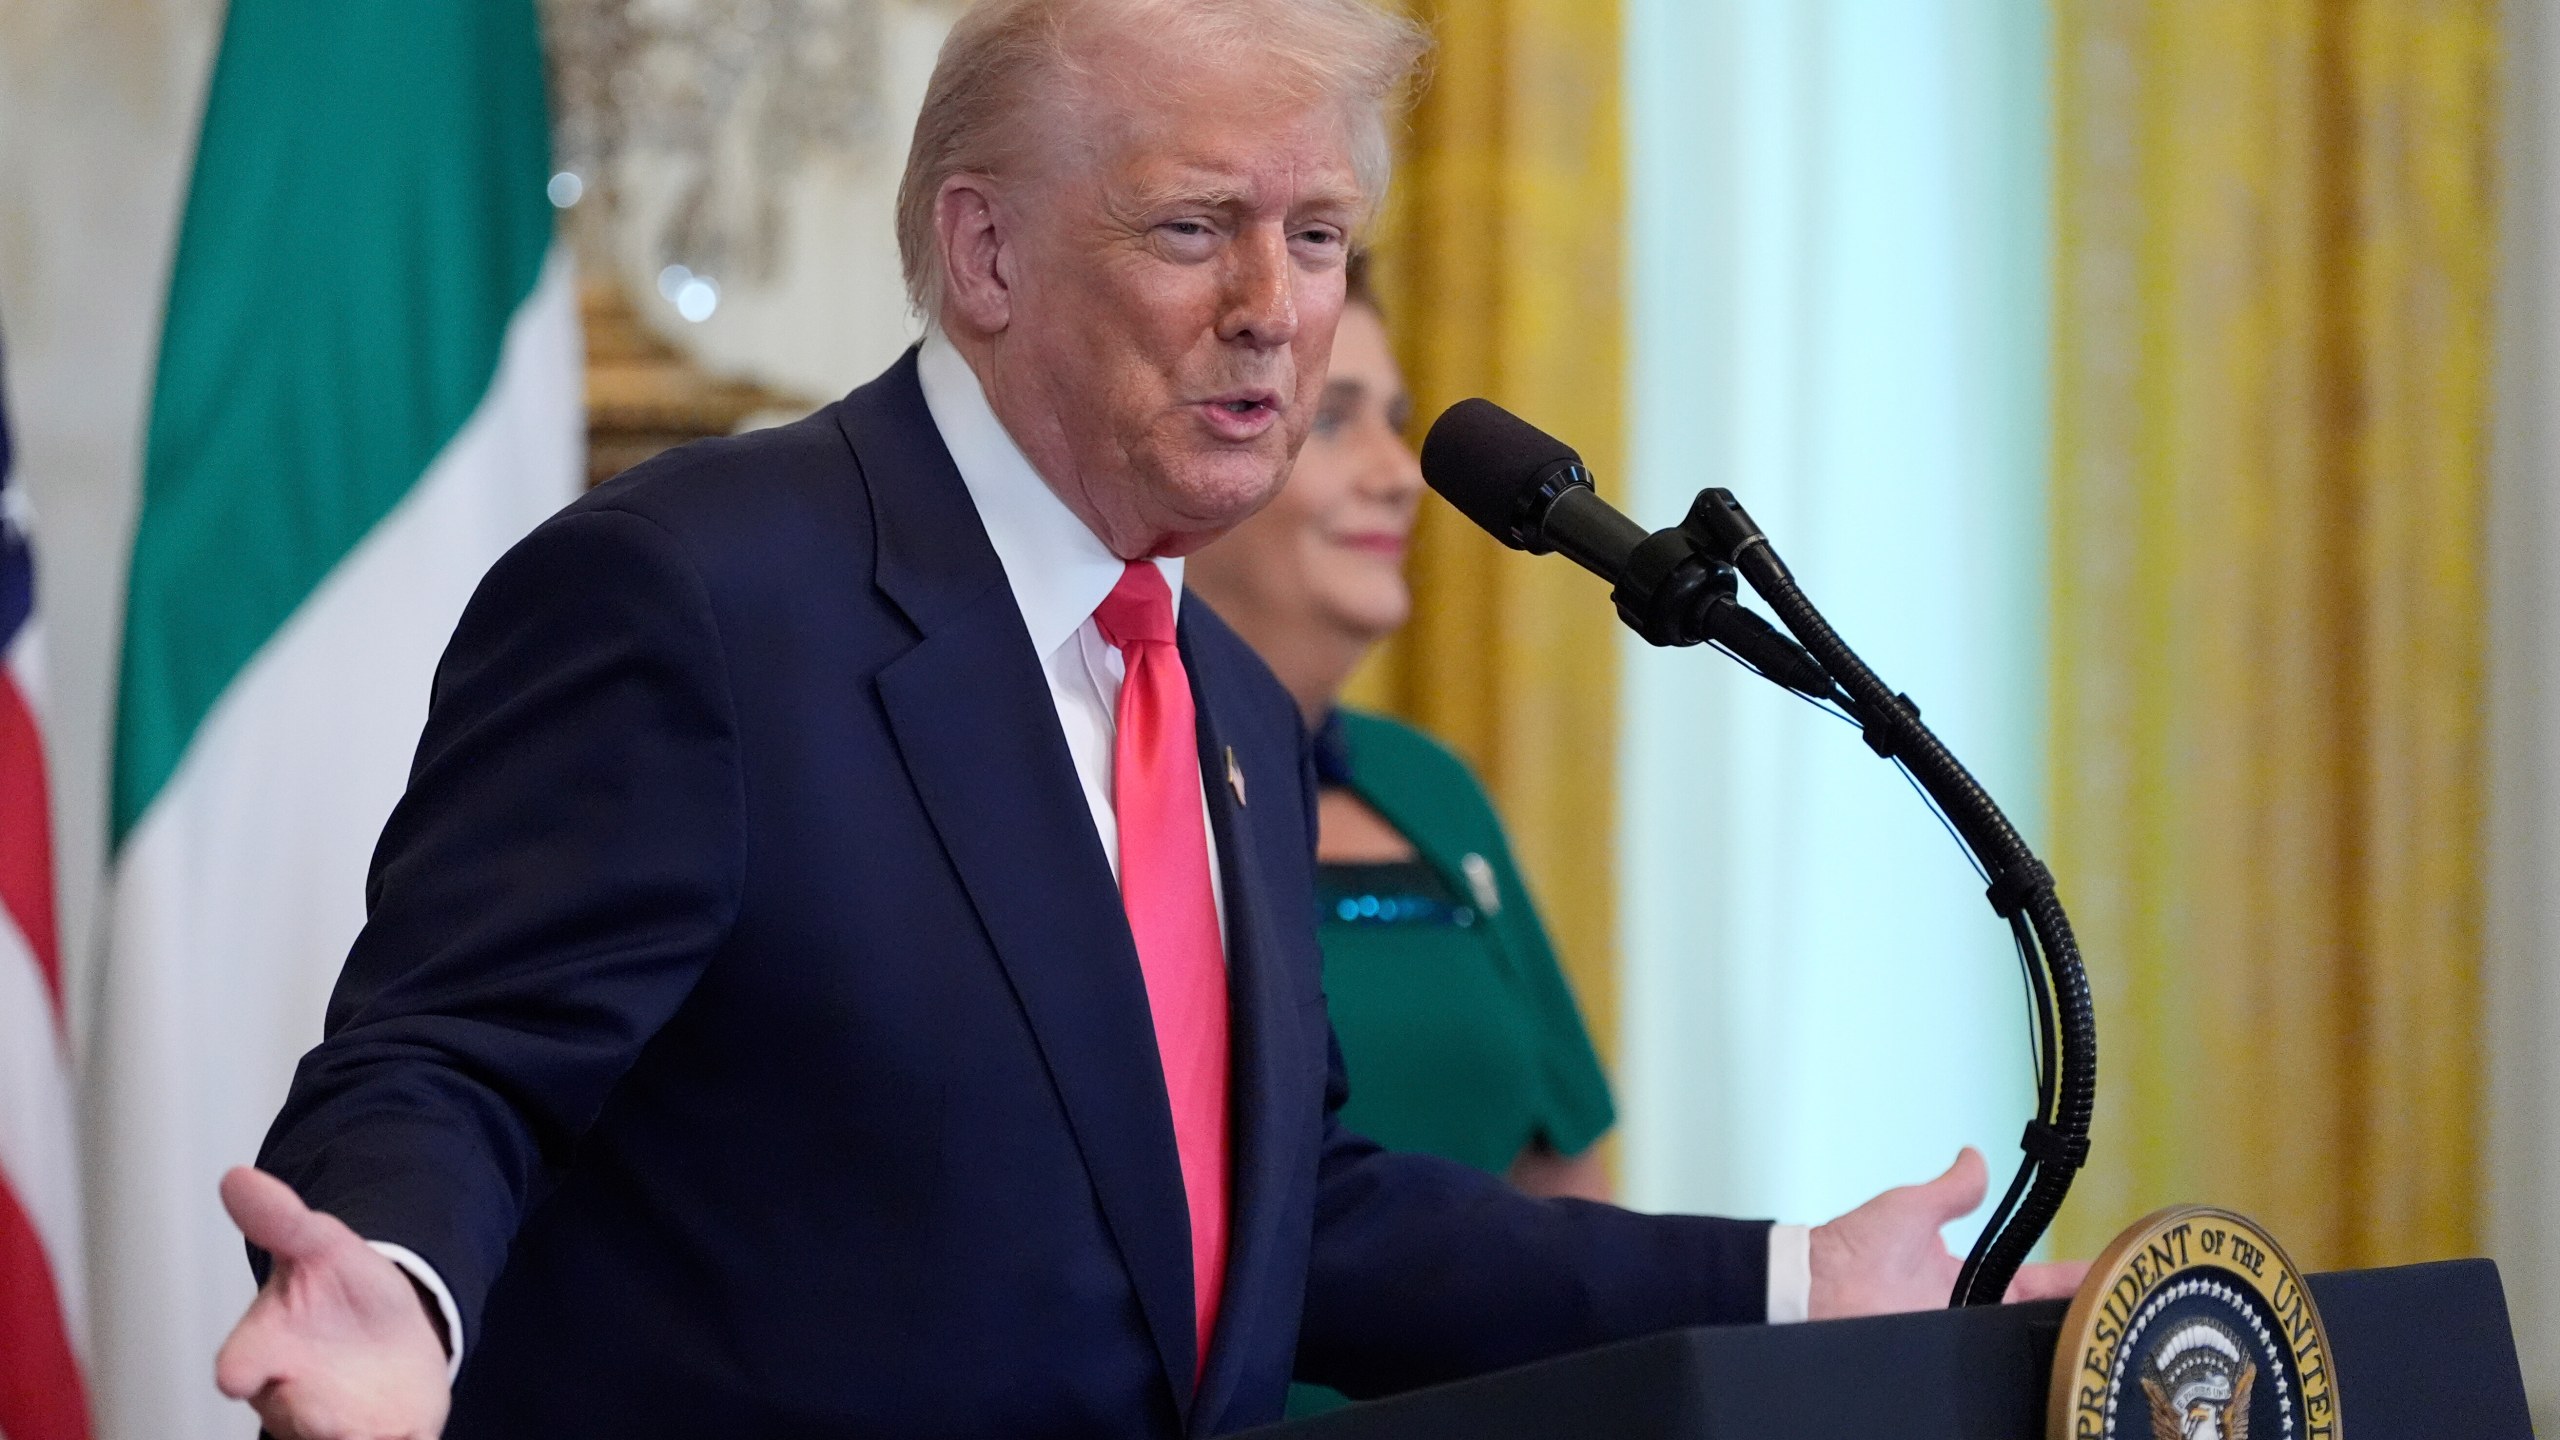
1458, 1031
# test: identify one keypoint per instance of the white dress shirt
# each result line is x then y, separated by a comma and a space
1060, 572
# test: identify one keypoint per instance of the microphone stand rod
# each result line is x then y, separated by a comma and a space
2056, 1142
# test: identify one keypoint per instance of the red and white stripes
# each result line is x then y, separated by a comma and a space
41, 1309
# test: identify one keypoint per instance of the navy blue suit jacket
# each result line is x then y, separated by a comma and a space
747, 1029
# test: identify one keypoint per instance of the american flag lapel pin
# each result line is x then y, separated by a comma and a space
1235, 775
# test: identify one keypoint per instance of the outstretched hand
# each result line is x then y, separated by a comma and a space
1886, 1256
337, 1345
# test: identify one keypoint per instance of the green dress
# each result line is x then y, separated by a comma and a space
1458, 1032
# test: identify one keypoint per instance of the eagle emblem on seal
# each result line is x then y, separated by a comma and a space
2198, 1379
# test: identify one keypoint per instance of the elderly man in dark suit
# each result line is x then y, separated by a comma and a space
844, 964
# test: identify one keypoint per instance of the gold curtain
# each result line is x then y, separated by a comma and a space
2273, 279
1498, 262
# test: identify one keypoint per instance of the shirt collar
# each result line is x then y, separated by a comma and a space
1059, 569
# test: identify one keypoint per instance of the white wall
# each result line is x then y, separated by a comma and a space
2523, 1169
1838, 297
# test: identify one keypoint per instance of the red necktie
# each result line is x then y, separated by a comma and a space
1173, 914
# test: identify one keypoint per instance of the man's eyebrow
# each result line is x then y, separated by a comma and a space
1204, 193
1345, 392
1190, 194
1326, 197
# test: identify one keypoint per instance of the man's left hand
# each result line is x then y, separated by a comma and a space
1887, 1257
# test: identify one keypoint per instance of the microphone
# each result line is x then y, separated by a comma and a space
1532, 492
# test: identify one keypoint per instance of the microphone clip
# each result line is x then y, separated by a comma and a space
1668, 587
1675, 590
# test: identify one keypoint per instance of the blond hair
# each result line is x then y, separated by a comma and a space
1006, 58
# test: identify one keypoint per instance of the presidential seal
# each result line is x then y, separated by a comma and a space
2193, 1325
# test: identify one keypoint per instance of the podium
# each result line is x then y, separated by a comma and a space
2421, 1351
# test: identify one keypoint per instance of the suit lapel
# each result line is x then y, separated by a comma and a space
1275, 1092
972, 717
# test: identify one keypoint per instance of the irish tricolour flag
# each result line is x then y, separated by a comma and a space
368, 386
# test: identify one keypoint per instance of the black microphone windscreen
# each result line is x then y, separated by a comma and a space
1489, 462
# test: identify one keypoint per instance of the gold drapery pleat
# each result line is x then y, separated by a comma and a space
2273, 287
1498, 259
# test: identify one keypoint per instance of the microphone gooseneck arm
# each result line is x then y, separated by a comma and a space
2056, 1142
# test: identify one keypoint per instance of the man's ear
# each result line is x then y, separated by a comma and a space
977, 266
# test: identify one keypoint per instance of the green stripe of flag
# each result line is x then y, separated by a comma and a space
367, 213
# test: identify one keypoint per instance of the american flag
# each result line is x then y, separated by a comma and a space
41, 1397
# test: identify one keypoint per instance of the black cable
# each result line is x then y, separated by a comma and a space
2056, 1140
1830, 708
2041, 994
2031, 973
2039, 1020
2039, 1000
1969, 1278
1939, 813
2042, 1039
2041, 1029
2039, 1026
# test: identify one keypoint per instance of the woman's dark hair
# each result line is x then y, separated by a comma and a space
1356, 289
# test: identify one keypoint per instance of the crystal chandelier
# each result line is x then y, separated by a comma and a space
724, 100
